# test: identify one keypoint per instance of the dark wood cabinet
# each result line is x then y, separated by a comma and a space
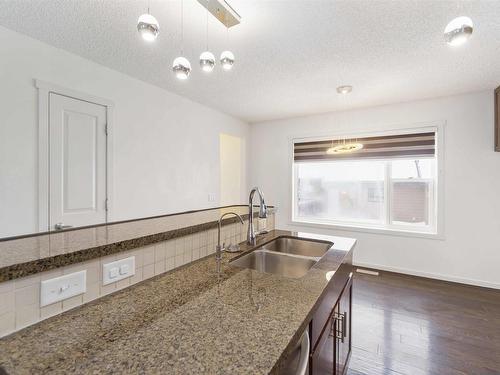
343, 329
332, 350
323, 359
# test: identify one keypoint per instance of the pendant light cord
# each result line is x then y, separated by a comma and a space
182, 27
206, 33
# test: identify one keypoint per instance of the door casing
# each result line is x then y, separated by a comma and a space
44, 90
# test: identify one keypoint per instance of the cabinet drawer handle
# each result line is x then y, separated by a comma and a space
333, 328
339, 325
344, 326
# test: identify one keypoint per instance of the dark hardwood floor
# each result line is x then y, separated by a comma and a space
415, 326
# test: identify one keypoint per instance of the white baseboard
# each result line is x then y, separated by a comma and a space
455, 279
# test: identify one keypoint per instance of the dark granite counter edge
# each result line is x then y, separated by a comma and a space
29, 235
19, 270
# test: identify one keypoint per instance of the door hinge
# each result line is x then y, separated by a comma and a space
106, 204
106, 129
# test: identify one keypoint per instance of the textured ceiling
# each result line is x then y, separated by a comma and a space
291, 55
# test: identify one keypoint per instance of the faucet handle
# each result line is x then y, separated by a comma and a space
233, 248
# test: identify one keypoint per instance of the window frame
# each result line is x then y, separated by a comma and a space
436, 228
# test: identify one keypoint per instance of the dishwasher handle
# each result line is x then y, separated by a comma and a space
305, 348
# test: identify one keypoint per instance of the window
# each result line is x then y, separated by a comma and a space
392, 188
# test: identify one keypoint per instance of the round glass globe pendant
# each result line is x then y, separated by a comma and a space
207, 61
181, 68
458, 31
148, 27
227, 60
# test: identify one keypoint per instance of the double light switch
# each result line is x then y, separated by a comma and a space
118, 270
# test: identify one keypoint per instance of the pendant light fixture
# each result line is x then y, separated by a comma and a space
227, 57
148, 27
344, 147
458, 31
344, 90
181, 66
207, 58
227, 60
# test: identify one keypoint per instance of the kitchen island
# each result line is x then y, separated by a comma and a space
187, 321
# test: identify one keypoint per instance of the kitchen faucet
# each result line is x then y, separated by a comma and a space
252, 236
220, 248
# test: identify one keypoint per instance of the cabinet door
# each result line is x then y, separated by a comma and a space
324, 311
344, 328
324, 358
333, 349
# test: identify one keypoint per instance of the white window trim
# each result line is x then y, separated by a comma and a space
439, 234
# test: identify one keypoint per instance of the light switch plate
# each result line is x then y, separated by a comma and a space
63, 287
118, 270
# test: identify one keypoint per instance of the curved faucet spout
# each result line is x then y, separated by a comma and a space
220, 223
262, 203
251, 236
219, 249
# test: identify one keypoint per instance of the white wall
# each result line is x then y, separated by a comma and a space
166, 147
470, 251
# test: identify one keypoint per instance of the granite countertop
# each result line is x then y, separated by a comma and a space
187, 321
32, 254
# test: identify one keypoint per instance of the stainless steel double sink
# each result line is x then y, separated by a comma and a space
290, 257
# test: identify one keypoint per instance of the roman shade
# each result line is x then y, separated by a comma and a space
416, 145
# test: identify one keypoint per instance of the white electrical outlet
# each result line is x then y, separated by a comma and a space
211, 197
118, 270
63, 287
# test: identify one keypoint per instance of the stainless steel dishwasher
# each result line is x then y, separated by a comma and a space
298, 362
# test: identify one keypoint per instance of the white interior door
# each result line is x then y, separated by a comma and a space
77, 162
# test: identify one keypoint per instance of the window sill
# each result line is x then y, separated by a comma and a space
368, 229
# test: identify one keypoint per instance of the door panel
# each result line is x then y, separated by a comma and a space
79, 163
77, 142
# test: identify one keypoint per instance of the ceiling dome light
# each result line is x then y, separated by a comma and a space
227, 60
181, 67
344, 90
458, 31
148, 27
207, 61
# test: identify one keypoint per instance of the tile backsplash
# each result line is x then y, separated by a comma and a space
20, 298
